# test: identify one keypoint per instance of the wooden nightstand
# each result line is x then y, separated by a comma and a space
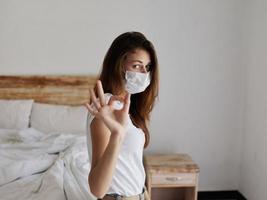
171, 176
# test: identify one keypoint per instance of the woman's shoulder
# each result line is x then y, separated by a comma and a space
107, 96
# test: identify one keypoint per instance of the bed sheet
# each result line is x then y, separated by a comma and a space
38, 166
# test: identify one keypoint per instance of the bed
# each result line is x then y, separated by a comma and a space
43, 151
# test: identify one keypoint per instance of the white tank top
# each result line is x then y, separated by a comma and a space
129, 175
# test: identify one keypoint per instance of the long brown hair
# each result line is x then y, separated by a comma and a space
112, 77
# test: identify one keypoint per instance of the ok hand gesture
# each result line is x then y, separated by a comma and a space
115, 120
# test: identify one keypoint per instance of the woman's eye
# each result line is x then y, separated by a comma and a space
148, 67
136, 66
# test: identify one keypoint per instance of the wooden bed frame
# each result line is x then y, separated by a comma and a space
51, 89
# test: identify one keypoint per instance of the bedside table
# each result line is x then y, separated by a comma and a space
171, 176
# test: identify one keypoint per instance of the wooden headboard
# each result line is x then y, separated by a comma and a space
63, 90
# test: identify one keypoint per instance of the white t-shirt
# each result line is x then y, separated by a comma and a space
129, 175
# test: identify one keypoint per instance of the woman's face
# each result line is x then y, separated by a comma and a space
138, 61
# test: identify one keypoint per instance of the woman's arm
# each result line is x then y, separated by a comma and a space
105, 150
107, 134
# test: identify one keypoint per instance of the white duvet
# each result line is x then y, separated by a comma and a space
39, 166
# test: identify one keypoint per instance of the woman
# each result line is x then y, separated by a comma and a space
118, 118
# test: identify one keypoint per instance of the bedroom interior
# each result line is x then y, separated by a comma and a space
208, 127
170, 176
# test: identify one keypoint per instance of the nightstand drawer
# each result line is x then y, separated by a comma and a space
174, 179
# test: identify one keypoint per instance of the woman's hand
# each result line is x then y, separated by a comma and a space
115, 120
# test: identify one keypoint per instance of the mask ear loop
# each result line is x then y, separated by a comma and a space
124, 73
124, 68
124, 76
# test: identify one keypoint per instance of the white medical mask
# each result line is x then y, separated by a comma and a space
136, 82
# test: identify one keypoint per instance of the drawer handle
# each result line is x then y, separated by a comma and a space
173, 178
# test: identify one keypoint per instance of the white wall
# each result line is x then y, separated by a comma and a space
200, 108
253, 176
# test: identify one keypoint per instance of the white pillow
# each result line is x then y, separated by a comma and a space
15, 114
50, 118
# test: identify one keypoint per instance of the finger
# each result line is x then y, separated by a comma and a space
100, 93
90, 109
127, 102
94, 100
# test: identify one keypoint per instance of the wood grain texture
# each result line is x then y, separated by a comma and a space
51, 89
158, 163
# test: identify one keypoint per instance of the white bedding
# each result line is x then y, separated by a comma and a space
41, 166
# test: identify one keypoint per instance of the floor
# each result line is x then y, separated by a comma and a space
221, 195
